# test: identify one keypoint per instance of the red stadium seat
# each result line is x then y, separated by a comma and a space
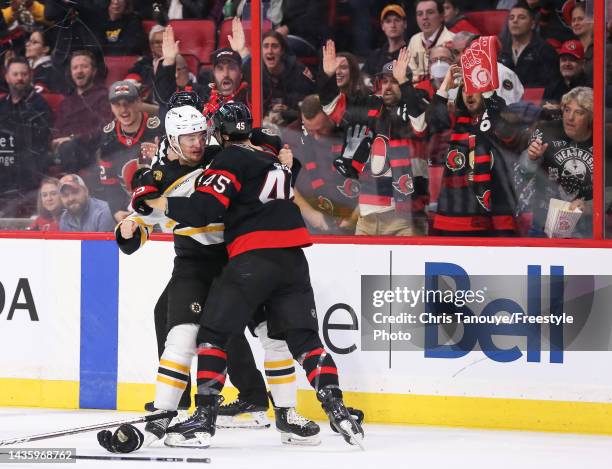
147, 25
53, 100
533, 95
118, 66
489, 22
226, 30
197, 37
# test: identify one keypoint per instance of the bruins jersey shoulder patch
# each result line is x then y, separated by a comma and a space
108, 128
153, 122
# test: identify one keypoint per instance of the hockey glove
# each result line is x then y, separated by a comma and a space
357, 415
344, 166
127, 438
144, 189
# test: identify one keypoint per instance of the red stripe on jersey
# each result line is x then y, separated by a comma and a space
317, 183
373, 112
315, 352
403, 142
220, 197
504, 222
469, 223
324, 370
457, 137
400, 162
227, 174
212, 352
482, 159
481, 178
298, 237
464, 120
311, 165
336, 148
211, 375
106, 164
339, 109
369, 199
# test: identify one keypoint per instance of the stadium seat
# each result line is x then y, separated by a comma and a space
197, 37
489, 22
53, 100
118, 66
533, 95
147, 25
226, 30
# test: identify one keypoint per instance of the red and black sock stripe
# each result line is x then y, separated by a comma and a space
320, 368
212, 369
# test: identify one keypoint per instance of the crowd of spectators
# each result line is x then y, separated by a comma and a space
367, 93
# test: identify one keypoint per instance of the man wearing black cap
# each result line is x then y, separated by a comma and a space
120, 147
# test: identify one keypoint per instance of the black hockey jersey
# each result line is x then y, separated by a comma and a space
176, 180
118, 159
253, 192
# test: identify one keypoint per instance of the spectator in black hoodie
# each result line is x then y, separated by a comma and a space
525, 52
121, 31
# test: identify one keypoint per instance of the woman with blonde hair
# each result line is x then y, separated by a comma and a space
49, 206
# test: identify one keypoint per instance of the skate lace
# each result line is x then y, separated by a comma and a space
295, 418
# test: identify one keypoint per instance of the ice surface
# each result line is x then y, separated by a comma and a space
388, 446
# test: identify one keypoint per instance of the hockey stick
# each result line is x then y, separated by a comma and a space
140, 458
99, 426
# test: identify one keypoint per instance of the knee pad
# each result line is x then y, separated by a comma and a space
174, 366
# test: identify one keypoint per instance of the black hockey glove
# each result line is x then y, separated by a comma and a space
127, 438
144, 189
357, 414
344, 166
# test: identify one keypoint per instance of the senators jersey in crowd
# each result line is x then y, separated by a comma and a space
176, 180
253, 193
477, 194
118, 159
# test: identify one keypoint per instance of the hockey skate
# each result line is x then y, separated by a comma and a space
340, 417
156, 430
197, 430
296, 429
241, 414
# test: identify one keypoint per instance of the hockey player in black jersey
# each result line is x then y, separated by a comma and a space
174, 173
252, 191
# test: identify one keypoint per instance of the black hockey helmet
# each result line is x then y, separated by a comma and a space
234, 119
186, 98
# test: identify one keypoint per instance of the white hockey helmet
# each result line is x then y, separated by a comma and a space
183, 120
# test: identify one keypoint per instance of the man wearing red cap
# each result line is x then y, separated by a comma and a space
571, 66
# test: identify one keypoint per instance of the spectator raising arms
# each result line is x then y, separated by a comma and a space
49, 206
393, 24
47, 77
143, 71
525, 52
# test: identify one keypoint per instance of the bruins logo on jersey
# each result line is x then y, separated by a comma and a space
158, 175
153, 122
108, 128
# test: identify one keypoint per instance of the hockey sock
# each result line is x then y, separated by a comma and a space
174, 364
212, 369
279, 368
320, 369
